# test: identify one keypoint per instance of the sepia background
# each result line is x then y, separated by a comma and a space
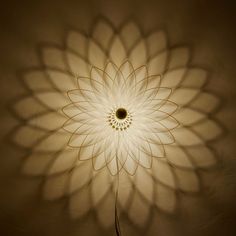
207, 26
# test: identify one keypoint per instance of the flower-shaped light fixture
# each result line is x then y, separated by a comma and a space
117, 116
120, 118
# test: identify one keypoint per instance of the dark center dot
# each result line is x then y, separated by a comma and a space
121, 113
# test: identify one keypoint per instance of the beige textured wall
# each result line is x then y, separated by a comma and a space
208, 26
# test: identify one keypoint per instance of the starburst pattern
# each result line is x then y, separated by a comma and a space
117, 102
130, 139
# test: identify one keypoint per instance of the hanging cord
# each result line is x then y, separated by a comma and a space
117, 222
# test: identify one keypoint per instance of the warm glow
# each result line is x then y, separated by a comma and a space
117, 103
105, 132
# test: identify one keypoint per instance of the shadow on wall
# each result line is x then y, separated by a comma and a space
72, 148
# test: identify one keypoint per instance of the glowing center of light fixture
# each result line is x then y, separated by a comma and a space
121, 113
120, 119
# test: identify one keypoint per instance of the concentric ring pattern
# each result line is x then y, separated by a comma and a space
79, 144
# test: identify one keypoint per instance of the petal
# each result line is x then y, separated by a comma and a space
118, 89
77, 42
166, 138
163, 93
187, 116
48, 121
141, 75
37, 80
80, 95
37, 163
152, 95
130, 166
28, 107
138, 55
195, 78
73, 125
84, 83
149, 145
97, 80
101, 186
99, 161
169, 122
125, 190
86, 141
55, 187
102, 85
139, 210
127, 152
27, 137
130, 33
127, 71
157, 64
53, 57
187, 180
156, 42
105, 210
77, 65
111, 72
87, 152
65, 160
202, 156
80, 176
206, 102
104, 152
136, 83
157, 136
112, 165
186, 137
96, 55
117, 51
71, 110
154, 150
79, 203
88, 101
103, 33
208, 129
179, 57
163, 172
55, 141
84, 120
173, 78
144, 184
168, 107
154, 82
61, 80
165, 198
184, 96
52, 100
145, 160
178, 157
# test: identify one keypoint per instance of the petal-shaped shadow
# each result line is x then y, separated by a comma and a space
99, 161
